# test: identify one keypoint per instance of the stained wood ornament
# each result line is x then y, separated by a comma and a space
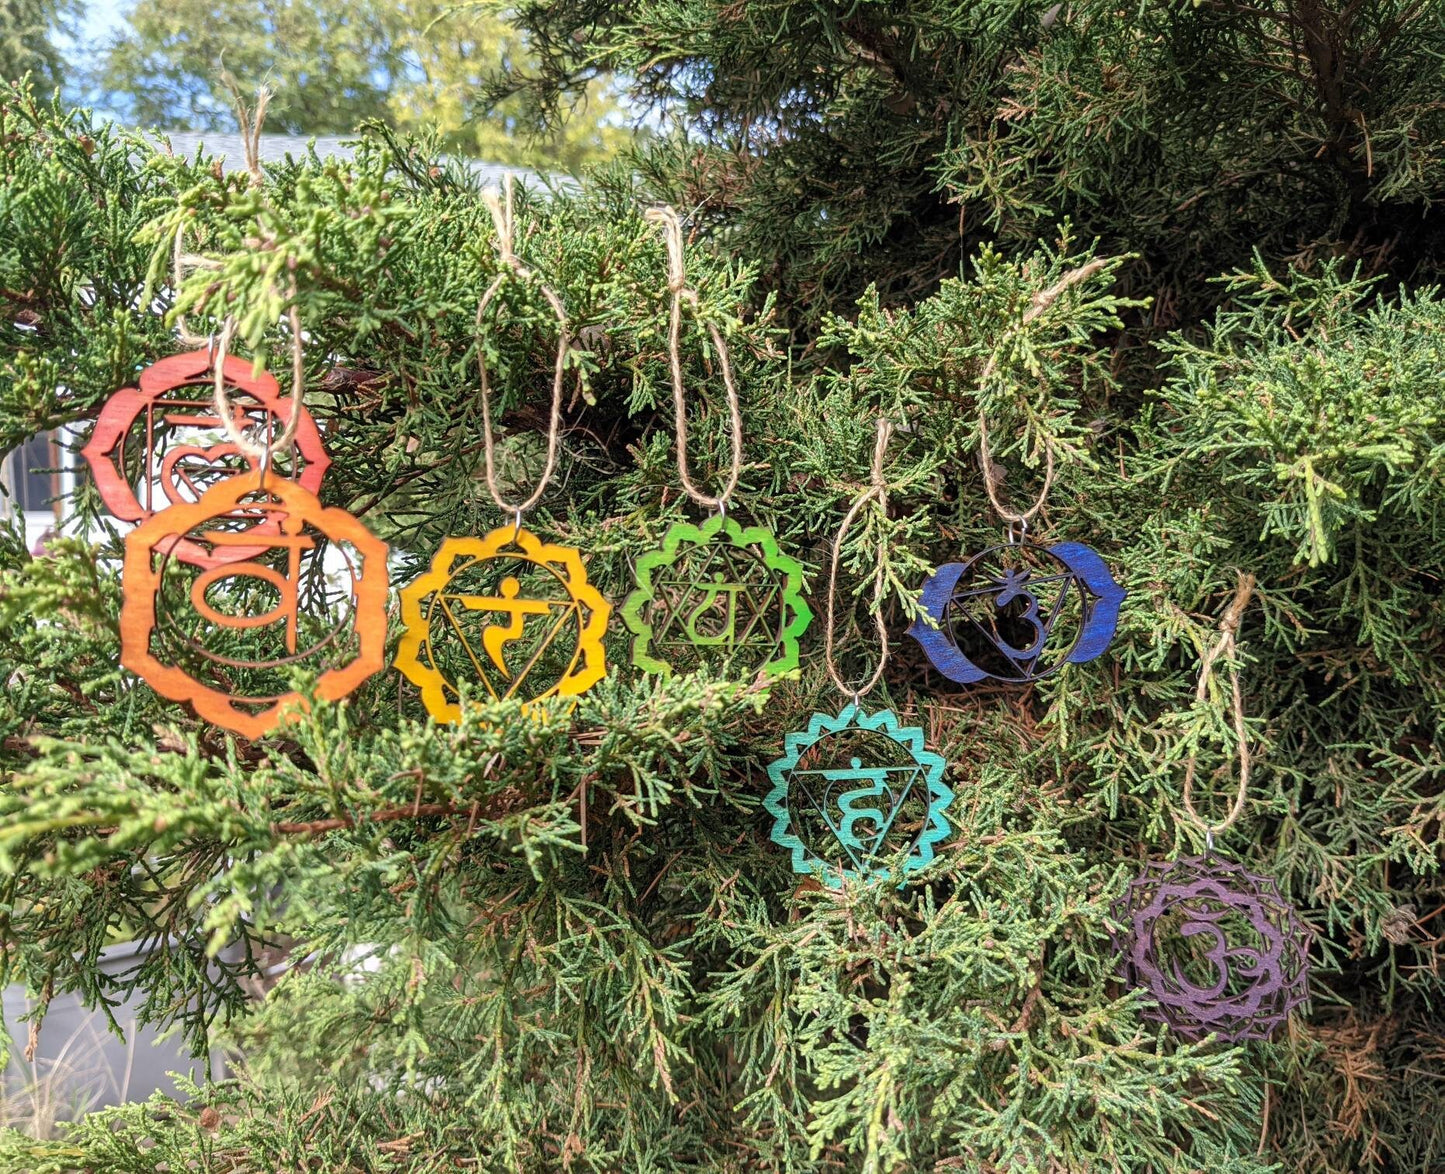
215, 633
507, 613
854, 793
721, 594
152, 445
1217, 946
1018, 612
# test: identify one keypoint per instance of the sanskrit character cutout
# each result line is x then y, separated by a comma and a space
717, 594
161, 444
852, 792
285, 584
1018, 612
1218, 947
505, 614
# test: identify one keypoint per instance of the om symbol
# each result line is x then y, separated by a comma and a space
1018, 612
1216, 946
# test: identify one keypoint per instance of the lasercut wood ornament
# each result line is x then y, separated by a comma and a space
1218, 948
224, 633
716, 593
162, 443
720, 594
1018, 612
507, 611
852, 791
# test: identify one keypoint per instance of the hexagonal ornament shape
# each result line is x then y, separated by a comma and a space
226, 634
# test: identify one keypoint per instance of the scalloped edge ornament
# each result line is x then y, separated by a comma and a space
591, 653
785, 662
885, 722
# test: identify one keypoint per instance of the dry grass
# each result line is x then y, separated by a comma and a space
38, 1095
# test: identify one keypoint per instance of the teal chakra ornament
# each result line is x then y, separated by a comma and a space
853, 791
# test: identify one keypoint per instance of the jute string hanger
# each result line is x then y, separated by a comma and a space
503, 221
1224, 647
678, 288
876, 492
1041, 302
250, 122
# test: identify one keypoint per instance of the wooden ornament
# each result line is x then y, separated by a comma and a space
154, 446
507, 612
1018, 612
720, 594
225, 632
853, 792
1217, 946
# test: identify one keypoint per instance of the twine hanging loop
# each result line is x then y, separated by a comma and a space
264, 451
876, 492
678, 288
250, 122
1224, 647
504, 222
1040, 302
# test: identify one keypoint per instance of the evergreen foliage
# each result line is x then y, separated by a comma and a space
1190, 247
334, 65
27, 45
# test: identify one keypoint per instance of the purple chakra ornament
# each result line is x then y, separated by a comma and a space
1018, 612
1218, 947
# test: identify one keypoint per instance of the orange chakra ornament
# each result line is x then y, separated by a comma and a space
506, 614
227, 596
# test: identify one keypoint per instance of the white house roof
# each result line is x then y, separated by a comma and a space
275, 148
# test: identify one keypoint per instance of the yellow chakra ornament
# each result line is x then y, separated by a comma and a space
507, 612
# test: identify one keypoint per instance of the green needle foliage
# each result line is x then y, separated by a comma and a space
1184, 249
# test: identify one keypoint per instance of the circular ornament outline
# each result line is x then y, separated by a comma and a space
786, 658
117, 416
416, 627
1153, 895
1086, 569
886, 723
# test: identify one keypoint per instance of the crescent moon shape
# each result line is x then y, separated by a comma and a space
1103, 615
940, 648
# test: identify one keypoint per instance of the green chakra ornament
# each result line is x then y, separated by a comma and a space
717, 594
854, 790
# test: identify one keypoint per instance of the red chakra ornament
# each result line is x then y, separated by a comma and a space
283, 583
1218, 947
161, 444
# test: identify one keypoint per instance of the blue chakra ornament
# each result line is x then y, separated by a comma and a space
854, 791
1018, 612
